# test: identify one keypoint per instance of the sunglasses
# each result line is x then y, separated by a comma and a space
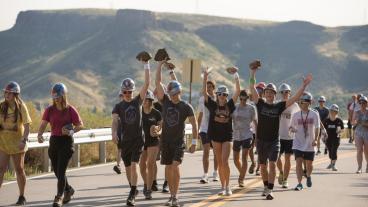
127, 92
222, 94
285, 92
304, 101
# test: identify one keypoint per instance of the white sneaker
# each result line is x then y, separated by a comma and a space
228, 191
359, 171
204, 179
222, 192
215, 176
269, 195
333, 168
285, 184
265, 191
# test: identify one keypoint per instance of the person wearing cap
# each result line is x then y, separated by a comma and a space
64, 120
220, 128
151, 119
360, 121
286, 141
244, 115
174, 113
305, 125
323, 114
117, 167
334, 126
14, 131
203, 119
269, 112
129, 111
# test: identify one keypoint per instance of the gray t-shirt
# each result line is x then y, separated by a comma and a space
174, 116
361, 131
243, 116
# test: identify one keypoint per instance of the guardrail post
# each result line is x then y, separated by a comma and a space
76, 156
102, 152
45, 160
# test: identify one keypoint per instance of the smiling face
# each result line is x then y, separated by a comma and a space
304, 104
285, 95
147, 103
127, 95
270, 95
222, 97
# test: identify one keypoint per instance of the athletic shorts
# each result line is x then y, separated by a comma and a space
153, 142
268, 150
171, 151
131, 151
286, 146
349, 124
304, 155
204, 138
243, 144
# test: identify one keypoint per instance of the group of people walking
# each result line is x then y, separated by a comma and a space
146, 131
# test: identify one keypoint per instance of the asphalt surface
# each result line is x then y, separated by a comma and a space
100, 186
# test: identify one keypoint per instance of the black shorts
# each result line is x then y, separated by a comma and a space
349, 124
204, 138
286, 146
243, 144
131, 151
172, 151
268, 150
152, 142
304, 155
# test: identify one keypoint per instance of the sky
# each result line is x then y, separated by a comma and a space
329, 13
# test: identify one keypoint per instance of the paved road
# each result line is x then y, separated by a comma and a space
100, 186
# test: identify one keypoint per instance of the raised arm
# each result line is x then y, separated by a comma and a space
237, 88
160, 90
204, 87
147, 73
300, 91
252, 80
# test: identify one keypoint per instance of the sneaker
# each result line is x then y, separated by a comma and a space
334, 168
329, 166
131, 199
326, 151
350, 140
299, 187
58, 202
68, 195
222, 192
165, 187
241, 182
21, 201
117, 169
309, 181
169, 202
257, 172
215, 176
285, 184
251, 168
204, 179
154, 186
265, 191
359, 170
228, 191
148, 195
269, 196
281, 178
318, 152
175, 202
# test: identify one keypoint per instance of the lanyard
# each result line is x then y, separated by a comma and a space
305, 123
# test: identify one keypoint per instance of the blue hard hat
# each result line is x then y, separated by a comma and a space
173, 88
58, 90
12, 87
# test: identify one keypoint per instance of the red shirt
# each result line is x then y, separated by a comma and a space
58, 119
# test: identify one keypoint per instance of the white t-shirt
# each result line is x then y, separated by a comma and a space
205, 117
355, 106
243, 116
303, 139
285, 121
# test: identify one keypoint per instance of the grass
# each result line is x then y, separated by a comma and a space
9, 175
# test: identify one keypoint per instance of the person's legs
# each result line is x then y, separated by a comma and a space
236, 157
143, 167
226, 148
63, 158
287, 166
18, 160
299, 169
244, 167
271, 174
151, 161
359, 146
217, 147
205, 157
175, 178
4, 162
365, 150
309, 164
279, 164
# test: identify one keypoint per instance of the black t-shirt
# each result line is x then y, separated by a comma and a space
130, 118
153, 118
174, 116
331, 127
220, 127
323, 112
269, 120
157, 106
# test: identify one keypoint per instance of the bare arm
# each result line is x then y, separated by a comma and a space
147, 75
299, 93
26, 132
41, 130
160, 90
114, 128
199, 121
172, 75
237, 88
204, 87
252, 87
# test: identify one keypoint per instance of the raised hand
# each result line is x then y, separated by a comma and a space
307, 79
256, 64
